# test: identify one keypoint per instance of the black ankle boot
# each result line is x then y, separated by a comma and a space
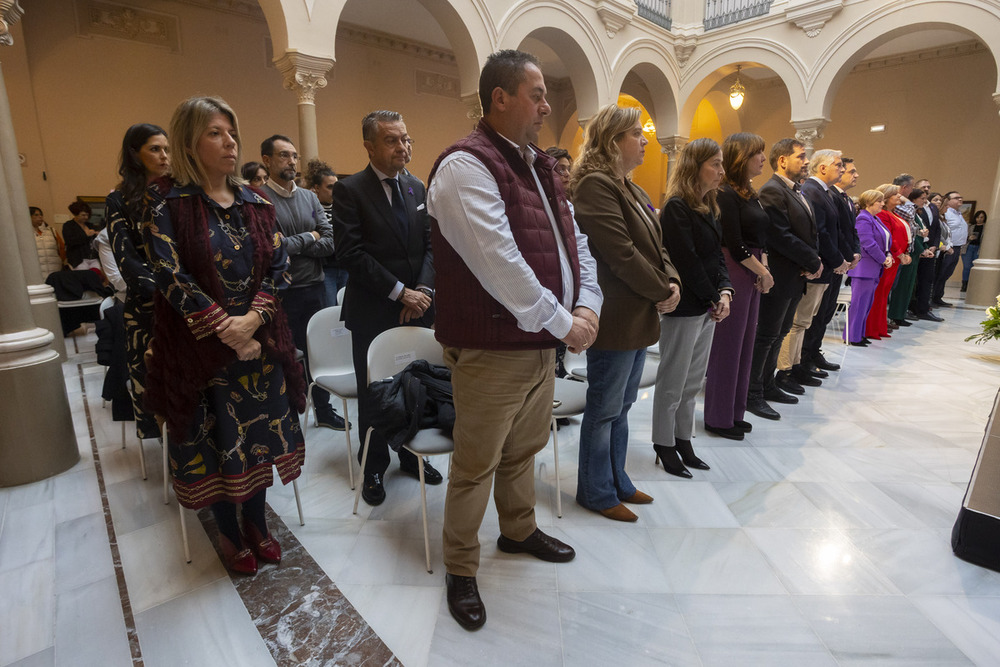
687, 455
671, 461
965, 285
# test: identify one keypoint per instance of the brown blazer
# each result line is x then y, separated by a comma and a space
633, 269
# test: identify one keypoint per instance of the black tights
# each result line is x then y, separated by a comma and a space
253, 510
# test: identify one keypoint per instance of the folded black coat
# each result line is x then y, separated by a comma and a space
417, 397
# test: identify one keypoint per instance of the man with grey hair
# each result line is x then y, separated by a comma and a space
383, 241
825, 169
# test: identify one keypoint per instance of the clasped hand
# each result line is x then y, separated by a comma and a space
237, 332
584, 330
415, 304
669, 304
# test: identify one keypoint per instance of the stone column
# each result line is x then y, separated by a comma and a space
808, 131
984, 281
41, 296
671, 147
37, 438
305, 75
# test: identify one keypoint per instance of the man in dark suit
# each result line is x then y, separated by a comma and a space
792, 257
931, 217
825, 169
382, 238
812, 354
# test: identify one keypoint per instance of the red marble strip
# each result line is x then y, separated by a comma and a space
133, 635
298, 610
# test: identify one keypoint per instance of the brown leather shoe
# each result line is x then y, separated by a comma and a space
639, 498
464, 603
539, 545
620, 513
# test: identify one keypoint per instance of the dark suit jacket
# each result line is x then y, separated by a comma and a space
849, 241
791, 234
694, 241
826, 213
373, 250
633, 269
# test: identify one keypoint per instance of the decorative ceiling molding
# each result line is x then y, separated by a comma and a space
958, 50
435, 83
383, 40
246, 8
96, 17
811, 15
615, 14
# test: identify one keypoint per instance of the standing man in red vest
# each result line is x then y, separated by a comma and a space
514, 277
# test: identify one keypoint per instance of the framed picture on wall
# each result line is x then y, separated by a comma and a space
968, 209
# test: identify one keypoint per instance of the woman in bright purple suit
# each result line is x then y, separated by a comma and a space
875, 242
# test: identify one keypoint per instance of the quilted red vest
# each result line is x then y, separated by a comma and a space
467, 316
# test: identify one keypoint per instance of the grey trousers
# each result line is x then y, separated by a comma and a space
684, 346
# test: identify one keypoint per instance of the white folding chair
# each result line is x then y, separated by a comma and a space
391, 352
331, 366
843, 308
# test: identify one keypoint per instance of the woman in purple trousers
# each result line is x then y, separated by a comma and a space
744, 224
875, 243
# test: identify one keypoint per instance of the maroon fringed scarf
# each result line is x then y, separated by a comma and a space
181, 365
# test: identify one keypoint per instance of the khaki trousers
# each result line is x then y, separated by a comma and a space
791, 346
503, 405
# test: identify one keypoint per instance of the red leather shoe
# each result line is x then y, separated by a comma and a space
266, 549
240, 562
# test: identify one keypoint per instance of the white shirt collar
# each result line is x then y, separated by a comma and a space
280, 191
818, 180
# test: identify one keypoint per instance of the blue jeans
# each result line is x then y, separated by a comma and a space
971, 255
612, 386
333, 279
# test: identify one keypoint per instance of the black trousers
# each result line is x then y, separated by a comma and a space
777, 311
925, 283
300, 304
378, 448
945, 267
812, 341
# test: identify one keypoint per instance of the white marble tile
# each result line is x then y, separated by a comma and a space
748, 630
46, 658
76, 494
613, 557
387, 552
409, 641
889, 464
208, 626
857, 505
936, 505
82, 552
522, 628
809, 464
26, 495
90, 628
624, 629
949, 465
921, 562
714, 561
819, 562
28, 535
153, 560
684, 503
136, 503
778, 504
328, 541
882, 630
971, 623
27, 610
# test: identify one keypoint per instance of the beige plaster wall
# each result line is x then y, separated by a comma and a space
73, 96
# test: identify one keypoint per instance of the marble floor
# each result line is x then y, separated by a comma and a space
821, 539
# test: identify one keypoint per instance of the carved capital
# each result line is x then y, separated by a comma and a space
684, 47
811, 15
671, 146
10, 13
304, 74
473, 109
809, 131
615, 14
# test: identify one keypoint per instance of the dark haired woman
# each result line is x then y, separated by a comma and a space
254, 173
81, 253
145, 156
223, 372
51, 252
744, 226
692, 238
971, 251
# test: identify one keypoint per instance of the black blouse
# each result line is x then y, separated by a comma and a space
744, 223
692, 240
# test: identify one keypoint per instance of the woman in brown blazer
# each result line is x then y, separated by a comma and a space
638, 281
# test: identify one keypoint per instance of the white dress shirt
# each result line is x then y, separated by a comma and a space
108, 264
957, 225
465, 200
